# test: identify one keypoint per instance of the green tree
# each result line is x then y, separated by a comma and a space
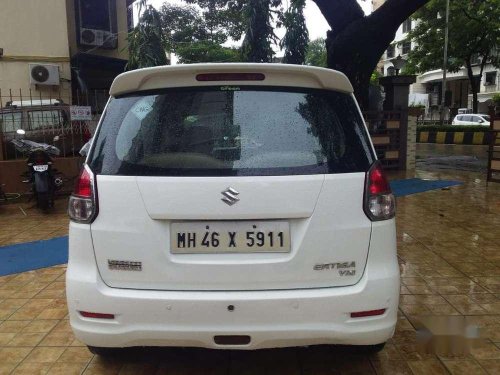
356, 41
146, 42
474, 34
259, 36
198, 37
316, 53
206, 51
223, 17
296, 37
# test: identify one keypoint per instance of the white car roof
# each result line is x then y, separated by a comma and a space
185, 76
34, 102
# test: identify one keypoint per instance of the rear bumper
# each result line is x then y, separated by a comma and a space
271, 318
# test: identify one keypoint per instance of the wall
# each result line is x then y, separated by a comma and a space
121, 52
32, 31
11, 171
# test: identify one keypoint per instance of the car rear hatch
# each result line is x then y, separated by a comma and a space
231, 187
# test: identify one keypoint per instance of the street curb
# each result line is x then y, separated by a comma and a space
457, 138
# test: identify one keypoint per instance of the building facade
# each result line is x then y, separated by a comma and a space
428, 88
54, 54
52, 48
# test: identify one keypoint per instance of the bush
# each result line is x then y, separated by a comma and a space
496, 99
452, 128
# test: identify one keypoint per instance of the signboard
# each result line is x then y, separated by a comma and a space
80, 113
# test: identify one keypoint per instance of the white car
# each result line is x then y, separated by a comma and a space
232, 206
471, 119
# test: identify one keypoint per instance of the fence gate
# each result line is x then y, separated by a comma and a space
494, 149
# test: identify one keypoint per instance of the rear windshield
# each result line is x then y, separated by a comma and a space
231, 131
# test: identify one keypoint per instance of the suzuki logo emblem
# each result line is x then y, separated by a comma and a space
230, 196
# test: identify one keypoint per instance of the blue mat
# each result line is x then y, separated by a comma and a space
33, 255
411, 186
40, 254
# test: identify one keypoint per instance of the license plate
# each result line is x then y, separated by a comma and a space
40, 168
230, 237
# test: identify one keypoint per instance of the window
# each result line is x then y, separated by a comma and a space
490, 79
475, 60
406, 47
467, 118
407, 26
10, 121
244, 131
45, 119
460, 118
390, 51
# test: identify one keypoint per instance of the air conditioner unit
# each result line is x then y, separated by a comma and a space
96, 23
44, 74
96, 38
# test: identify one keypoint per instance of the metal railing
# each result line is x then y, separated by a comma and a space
46, 118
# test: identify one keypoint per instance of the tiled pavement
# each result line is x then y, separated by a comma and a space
449, 249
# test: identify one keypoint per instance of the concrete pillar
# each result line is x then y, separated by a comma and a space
411, 143
397, 90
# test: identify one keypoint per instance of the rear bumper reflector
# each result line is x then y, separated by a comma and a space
93, 315
363, 314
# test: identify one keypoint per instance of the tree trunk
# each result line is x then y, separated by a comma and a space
473, 85
484, 60
356, 42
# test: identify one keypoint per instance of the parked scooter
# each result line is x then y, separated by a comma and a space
43, 177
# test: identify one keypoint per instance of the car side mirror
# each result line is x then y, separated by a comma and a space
56, 138
481, 121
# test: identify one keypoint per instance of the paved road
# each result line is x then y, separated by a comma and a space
432, 156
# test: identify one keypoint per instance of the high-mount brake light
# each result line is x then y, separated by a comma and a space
213, 77
379, 202
82, 206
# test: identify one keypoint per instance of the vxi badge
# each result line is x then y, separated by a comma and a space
344, 268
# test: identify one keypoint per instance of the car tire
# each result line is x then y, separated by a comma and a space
104, 352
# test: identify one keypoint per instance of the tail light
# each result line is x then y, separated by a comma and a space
379, 202
40, 158
83, 202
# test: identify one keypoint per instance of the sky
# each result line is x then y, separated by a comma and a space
316, 23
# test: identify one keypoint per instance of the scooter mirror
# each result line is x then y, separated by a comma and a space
21, 131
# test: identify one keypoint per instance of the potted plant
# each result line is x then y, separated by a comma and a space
416, 110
